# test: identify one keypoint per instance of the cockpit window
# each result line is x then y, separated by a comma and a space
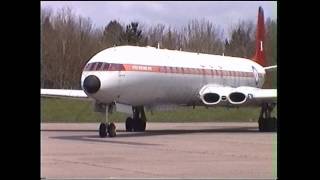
92, 67
99, 66
105, 66
88, 66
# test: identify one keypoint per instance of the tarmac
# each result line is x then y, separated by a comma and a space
165, 150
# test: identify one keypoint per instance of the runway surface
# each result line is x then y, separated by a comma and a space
169, 150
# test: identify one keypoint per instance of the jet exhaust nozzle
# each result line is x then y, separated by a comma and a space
211, 98
237, 97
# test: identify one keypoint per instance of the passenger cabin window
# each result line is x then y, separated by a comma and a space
208, 72
168, 69
178, 70
162, 69
174, 70
187, 70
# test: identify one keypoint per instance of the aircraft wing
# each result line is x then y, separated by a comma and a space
64, 93
261, 95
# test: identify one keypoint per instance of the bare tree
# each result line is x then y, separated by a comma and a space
241, 43
202, 36
112, 34
155, 35
132, 35
172, 40
66, 45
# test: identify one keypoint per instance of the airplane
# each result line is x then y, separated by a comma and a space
131, 79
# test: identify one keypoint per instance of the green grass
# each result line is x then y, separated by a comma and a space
63, 110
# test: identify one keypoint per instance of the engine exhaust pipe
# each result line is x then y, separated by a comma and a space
237, 97
211, 98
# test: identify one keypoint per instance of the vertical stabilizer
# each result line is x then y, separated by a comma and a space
259, 56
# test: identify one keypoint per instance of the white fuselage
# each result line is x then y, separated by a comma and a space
148, 76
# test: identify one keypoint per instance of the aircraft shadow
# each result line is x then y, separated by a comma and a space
124, 134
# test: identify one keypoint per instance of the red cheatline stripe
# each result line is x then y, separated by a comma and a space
100, 66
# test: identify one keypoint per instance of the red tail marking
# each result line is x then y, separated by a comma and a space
259, 56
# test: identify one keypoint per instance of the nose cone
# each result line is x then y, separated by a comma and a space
91, 84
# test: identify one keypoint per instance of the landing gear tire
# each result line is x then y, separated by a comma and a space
143, 126
103, 130
112, 130
129, 124
268, 124
139, 125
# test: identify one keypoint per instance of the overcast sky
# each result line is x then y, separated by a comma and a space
175, 13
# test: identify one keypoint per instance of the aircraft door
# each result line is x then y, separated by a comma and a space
121, 78
204, 75
255, 76
222, 76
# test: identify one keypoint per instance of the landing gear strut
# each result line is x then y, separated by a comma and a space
107, 128
138, 122
266, 122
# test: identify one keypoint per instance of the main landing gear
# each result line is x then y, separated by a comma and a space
266, 122
138, 122
107, 128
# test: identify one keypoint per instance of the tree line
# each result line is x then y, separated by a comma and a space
69, 41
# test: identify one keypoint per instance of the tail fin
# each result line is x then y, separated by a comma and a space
259, 56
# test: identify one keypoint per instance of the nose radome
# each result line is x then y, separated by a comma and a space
91, 84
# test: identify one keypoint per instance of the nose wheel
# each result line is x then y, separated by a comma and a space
112, 130
103, 130
107, 128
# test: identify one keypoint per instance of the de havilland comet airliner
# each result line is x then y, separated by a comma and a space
133, 79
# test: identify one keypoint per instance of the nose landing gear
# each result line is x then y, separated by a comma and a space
107, 128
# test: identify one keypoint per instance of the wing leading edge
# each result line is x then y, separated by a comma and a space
263, 95
257, 96
64, 93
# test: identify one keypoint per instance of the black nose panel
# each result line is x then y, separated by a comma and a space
91, 84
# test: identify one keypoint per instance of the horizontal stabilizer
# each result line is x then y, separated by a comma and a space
270, 68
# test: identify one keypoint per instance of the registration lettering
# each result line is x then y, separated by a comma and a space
142, 68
